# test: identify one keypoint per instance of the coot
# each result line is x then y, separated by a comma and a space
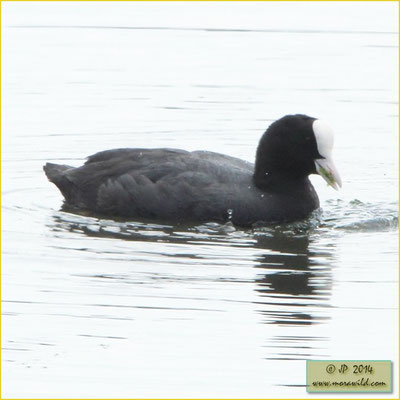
181, 186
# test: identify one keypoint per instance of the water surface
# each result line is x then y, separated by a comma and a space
105, 308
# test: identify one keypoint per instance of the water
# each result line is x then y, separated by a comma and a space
104, 308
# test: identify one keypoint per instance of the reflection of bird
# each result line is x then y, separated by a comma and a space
177, 185
286, 283
289, 282
291, 256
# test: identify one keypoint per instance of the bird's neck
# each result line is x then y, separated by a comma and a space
280, 182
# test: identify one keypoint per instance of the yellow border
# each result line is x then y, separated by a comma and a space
1, 1
216, 1
1, 226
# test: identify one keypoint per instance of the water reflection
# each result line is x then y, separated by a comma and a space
294, 286
290, 269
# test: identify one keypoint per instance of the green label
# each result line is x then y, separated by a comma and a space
349, 376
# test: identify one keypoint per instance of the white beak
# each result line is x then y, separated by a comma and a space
326, 168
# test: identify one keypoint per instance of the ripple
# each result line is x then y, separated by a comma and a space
357, 216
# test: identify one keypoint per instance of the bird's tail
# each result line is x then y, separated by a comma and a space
56, 174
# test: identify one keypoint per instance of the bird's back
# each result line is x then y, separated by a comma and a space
154, 183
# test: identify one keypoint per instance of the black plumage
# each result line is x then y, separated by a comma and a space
180, 186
